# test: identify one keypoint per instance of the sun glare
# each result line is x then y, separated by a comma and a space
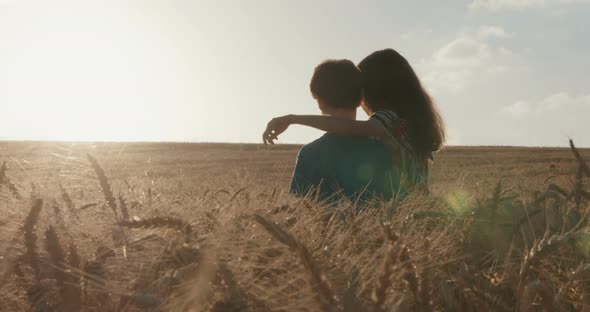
87, 74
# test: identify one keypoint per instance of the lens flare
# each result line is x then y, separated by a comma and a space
460, 202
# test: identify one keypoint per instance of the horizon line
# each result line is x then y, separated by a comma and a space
4, 140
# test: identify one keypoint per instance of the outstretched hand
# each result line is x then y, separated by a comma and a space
274, 128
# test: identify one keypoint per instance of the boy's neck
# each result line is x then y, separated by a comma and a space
342, 113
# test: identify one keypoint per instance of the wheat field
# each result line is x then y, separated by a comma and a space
211, 227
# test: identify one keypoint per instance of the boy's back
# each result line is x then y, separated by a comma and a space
346, 165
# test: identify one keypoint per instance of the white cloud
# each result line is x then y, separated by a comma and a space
496, 5
504, 51
467, 57
563, 99
462, 51
555, 101
551, 103
458, 59
518, 108
452, 80
497, 69
493, 32
548, 120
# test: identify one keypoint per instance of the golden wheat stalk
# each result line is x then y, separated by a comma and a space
410, 275
3, 170
94, 276
123, 206
9, 262
579, 158
72, 292
498, 303
384, 280
87, 206
573, 276
424, 284
37, 296
233, 294
65, 196
320, 284
5, 180
107, 191
56, 255
34, 194
30, 236
155, 222
104, 183
235, 195
533, 255
548, 299
13, 189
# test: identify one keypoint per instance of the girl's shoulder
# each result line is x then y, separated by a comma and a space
396, 126
385, 115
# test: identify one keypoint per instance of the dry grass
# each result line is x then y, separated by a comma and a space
181, 227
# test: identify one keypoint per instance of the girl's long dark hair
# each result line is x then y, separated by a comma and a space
392, 84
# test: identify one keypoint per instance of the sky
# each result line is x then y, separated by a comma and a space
502, 72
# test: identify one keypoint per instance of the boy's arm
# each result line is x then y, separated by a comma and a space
368, 128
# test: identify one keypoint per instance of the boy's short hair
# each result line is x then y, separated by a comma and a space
338, 83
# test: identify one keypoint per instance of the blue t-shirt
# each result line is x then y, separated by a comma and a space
335, 165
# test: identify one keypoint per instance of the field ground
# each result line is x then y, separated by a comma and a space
235, 166
213, 186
